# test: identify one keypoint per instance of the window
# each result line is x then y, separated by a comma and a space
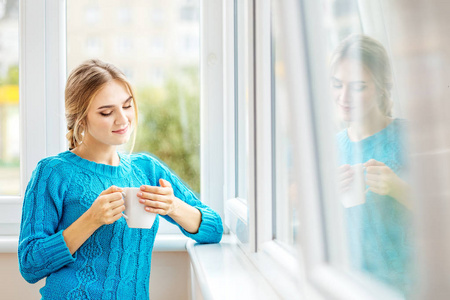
123, 46
238, 217
157, 46
124, 15
93, 46
9, 99
166, 80
92, 14
361, 234
156, 15
189, 44
188, 13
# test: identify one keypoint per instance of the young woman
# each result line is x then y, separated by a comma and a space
378, 231
72, 231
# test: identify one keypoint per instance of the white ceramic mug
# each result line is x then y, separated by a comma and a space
135, 213
356, 194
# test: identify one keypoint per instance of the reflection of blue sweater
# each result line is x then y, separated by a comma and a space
114, 263
378, 237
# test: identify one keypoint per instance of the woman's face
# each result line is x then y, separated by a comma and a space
110, 116
353, 91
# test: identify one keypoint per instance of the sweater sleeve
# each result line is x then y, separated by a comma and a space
211, 228
42, 249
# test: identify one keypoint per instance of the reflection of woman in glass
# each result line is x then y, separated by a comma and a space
73, 232
378, 229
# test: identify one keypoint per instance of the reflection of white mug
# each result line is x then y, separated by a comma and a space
135, 213
356, 194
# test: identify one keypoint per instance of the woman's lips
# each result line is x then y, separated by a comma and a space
121, 131
346, 108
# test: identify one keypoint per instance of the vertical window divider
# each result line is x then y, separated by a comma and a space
251, 118
211, 98
263, 122
55, 75
230, 101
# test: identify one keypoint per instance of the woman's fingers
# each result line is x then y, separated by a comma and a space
111, 189
164, 183
165, 188
154, 197
117, 203
378, 186
118, 210
377, 170
344, 185
158, 199
345, 177
155, 204
107, 208
156, 210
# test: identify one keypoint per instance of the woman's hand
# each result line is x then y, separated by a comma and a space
380, 178
345, 177
383, 181
108, 207
159, 199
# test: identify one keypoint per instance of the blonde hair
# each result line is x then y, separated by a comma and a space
83, 84
373, 56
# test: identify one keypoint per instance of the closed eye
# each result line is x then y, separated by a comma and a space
106, 114
358, 87
336, 83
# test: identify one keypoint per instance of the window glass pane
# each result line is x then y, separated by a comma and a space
9, 98
161, 62
372, 202
285, 189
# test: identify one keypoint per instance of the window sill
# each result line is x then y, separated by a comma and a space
163, 243
9, 244
223, 271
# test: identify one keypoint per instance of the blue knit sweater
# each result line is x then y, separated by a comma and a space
378, 231
114, 263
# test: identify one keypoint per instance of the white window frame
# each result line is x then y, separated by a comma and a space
41, 86
238, 208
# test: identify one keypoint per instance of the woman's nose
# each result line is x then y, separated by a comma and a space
122, 118
344, 95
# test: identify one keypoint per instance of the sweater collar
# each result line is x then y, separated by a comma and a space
123, 169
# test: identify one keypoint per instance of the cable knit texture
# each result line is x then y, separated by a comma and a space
114, 263
378, 231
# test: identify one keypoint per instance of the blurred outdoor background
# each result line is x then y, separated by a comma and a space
156, 45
